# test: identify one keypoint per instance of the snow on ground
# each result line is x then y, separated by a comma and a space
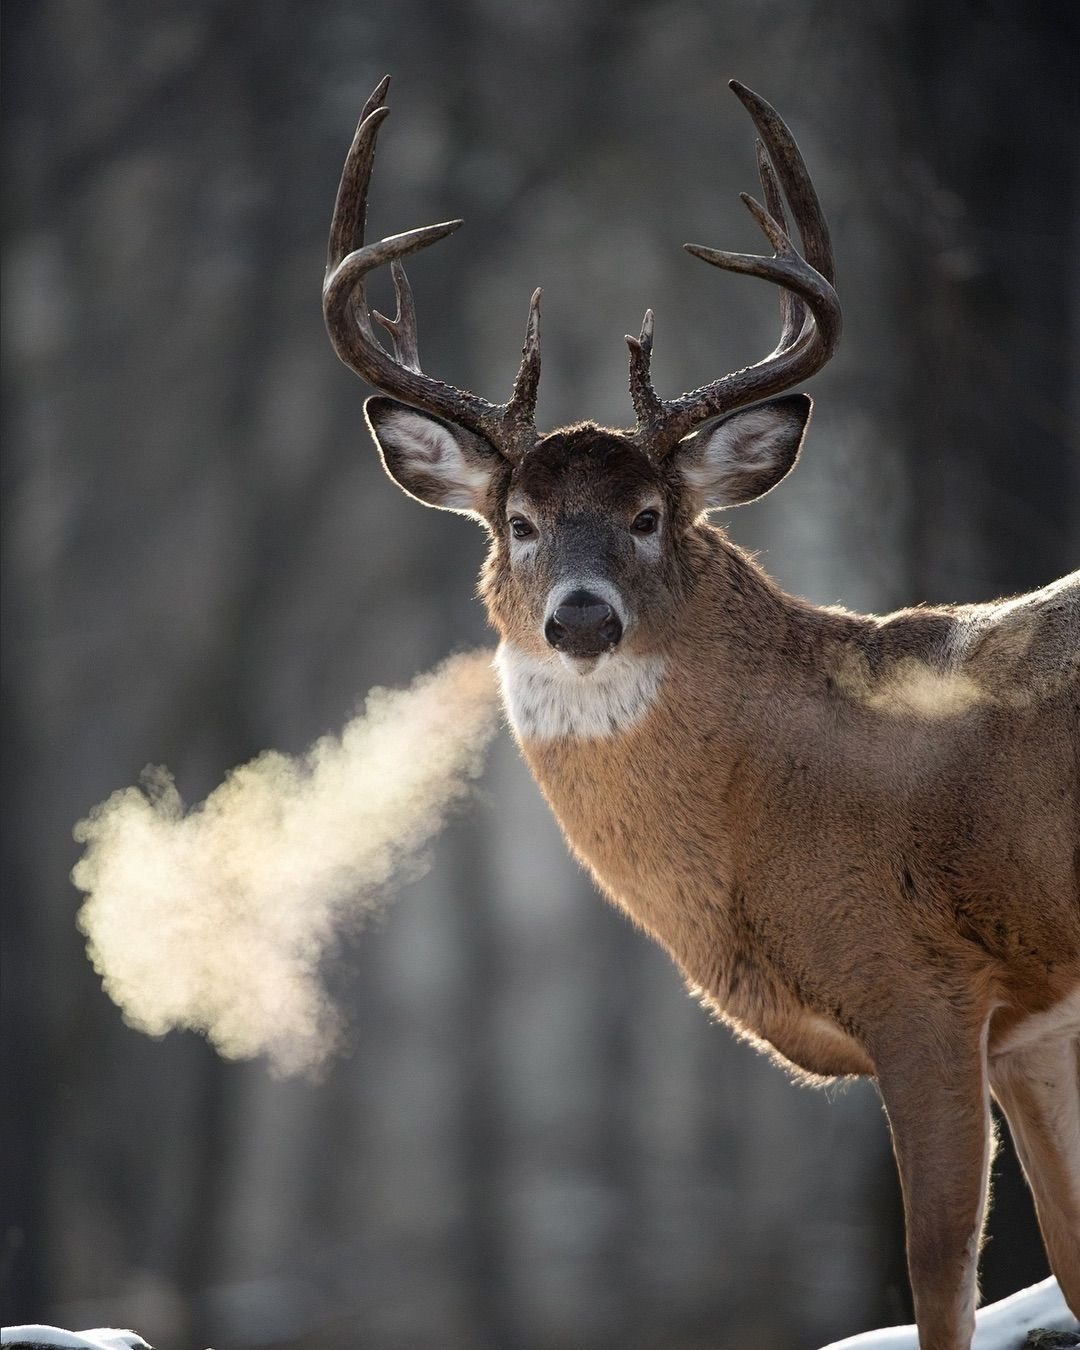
101, 1338
999, 1326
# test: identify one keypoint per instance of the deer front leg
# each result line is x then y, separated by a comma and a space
934, 1088
1038, 1088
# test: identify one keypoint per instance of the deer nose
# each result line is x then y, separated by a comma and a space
583, 625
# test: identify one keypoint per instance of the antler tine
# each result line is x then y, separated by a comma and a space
792, 310
350, 208
794, 177
402, 327
508, 427
810, 308
646, 403
521, 408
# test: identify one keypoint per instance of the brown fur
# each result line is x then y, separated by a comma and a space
858, 837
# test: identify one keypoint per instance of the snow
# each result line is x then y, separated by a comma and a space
1000, 1326
101, 1338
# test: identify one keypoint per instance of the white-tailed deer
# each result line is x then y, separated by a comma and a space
858, 837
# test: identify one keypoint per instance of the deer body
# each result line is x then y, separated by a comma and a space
865, 861
857, 837
799, 881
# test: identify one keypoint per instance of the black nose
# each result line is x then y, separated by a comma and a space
583, 625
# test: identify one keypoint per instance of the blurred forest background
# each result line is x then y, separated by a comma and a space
537, 1139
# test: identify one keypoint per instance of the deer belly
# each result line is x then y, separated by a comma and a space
762, 1010
816, 1045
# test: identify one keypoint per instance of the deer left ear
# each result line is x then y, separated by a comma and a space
745, 455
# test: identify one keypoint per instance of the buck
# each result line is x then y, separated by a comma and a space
857, 837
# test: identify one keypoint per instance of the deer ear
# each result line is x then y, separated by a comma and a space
745, 455
436, 462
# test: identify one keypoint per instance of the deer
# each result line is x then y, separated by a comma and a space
857, 836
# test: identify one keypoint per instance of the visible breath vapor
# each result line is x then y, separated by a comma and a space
216, 918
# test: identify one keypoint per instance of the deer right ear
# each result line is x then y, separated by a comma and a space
436, 462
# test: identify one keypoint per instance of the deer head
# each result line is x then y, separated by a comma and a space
592, 529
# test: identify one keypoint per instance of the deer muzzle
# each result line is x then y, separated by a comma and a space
583, 625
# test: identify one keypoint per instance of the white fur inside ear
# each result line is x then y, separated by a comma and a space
427, 447
734, 460
741, 444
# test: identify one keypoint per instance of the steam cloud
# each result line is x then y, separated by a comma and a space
216, 918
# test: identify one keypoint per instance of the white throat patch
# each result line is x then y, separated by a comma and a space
546, 699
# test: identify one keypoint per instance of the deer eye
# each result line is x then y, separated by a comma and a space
520, 528
646, 522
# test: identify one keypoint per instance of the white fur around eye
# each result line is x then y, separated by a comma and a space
523, 549
650, 545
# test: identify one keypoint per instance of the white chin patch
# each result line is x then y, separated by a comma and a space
581, 665
552, 696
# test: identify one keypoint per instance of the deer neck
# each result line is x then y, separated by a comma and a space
631, 761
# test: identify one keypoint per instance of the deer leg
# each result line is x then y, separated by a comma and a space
1038, 1088
937, 1100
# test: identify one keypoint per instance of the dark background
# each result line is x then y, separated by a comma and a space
537, 1140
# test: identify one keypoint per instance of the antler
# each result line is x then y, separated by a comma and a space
809, 306
509, 426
